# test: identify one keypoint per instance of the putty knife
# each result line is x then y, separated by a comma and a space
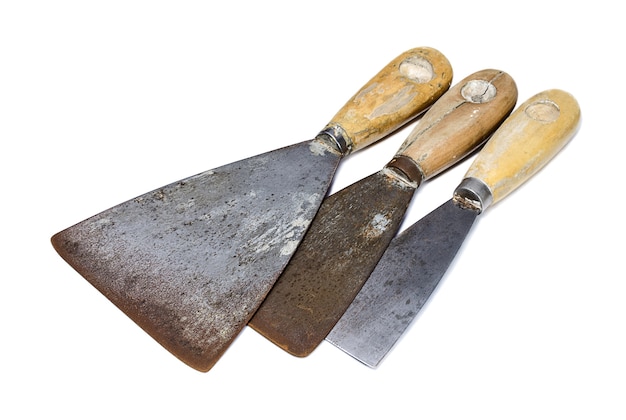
190, 262
417, 258
354, 226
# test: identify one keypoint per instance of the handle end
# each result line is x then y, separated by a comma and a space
401, 91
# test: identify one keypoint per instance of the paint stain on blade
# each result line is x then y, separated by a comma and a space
290, 245
318, 148
282, 235
378, 226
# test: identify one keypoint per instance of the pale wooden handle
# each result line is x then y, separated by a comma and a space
460, 121
398, 93
526, 141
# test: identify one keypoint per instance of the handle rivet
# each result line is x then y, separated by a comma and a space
543, 111
479, 91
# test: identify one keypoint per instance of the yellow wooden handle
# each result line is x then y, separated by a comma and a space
534, 133
402, 90
460, 121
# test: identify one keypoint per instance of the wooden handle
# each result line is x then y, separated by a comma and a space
526, 141
398, 93
459, 122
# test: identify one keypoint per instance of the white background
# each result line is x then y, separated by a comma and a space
103, 101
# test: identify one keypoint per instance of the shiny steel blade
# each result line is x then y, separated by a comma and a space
190, 262
347, 237
412, 265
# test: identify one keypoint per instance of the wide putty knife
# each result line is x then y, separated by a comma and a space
354, 226
417, 259
190, 262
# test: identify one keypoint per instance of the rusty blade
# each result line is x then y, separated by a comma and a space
307, 299
189, 261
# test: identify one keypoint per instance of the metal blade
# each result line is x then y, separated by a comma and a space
317, 285
412, 266
190, 262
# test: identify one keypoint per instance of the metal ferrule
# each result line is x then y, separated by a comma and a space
338, 137
407, 170
474, 194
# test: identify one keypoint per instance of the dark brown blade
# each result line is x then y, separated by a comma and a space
354, 226
297, 312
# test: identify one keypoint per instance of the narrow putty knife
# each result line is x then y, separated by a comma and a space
190, 262
354, 226
417, 258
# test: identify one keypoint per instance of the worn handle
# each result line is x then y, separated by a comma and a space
526, 141
402, 90
460, 121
